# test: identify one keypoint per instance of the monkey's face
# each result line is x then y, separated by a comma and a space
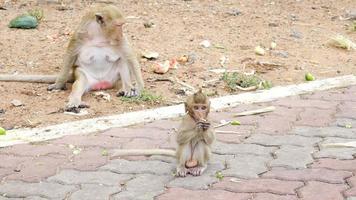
112, 26
200, 112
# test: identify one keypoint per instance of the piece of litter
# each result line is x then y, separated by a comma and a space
340, 144
259, 51
205, 43
16, 103
151, 55
257, 111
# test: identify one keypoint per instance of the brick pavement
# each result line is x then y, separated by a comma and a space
276, 156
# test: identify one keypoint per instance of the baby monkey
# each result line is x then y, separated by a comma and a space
195, 136
194, 139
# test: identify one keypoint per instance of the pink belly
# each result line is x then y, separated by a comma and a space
103, 85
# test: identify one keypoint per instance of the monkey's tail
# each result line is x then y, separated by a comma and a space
28, 78
144, 152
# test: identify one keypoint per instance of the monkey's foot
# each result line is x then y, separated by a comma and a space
130, 93
196, 171
182, 172
75, 108
55, 86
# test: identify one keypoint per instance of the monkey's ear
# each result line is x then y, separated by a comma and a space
186, 107
99, 18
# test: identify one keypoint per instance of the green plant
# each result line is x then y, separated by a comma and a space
238, 79
145, 96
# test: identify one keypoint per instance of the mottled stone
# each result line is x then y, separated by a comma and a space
269, 196
352, 191
325, 132
317, 190
143, 187
322, 175
181, 194
139, 167
235, 149
278, 140
293, 157
20, 189
94, 192
335, 164
260, 186
246, 166
89, 177
36, 169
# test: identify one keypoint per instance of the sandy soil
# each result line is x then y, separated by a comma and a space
301, 29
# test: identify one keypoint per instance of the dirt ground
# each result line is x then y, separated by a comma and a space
300, 28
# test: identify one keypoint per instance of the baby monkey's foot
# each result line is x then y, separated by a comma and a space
182, 172
197, 171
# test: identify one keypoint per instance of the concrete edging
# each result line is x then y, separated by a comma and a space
18, 136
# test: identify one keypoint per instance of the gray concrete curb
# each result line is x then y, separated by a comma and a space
18, 136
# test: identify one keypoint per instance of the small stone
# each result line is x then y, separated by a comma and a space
282, 54
234, 12
259, 51
273, 24
205, 43
16, 103
296, 34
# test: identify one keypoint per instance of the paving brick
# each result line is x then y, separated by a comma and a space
306, 103
274, 125
11, 161
246, 166
324, 132
27, 198
4, 172
260, 186
269, 196
37, 149
36, 169
317, 190
327, 151
18, 189
97, 140
94, 192
139, 167
347, 110
345, 165
167, 125
223, 148
239, 133
332, 95
277, 140
293, 157
315, 117
339, 153
143, 187
322, 175
352, 191
71, 177
87, 159
143, 143
184, 194
202, 182
134, 132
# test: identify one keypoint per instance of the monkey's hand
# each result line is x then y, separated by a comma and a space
56, 86
203, 125
130, 93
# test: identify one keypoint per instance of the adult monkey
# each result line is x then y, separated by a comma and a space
97, 57
195, 137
